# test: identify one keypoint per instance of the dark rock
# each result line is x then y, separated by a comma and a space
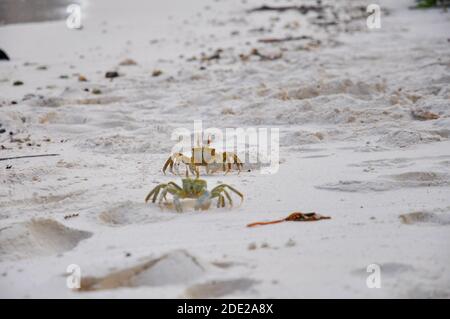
156, 73
111, 74
17, 83
3, 55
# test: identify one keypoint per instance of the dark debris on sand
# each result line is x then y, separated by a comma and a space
3, 55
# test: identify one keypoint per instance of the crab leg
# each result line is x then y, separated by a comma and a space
173, 159
228, 197
230, 158
220, 201
155, 196
174, 185
169, 162
177, 203
163, 195
217, 192
238, 163
229, 166
226, 163
153, 191
222, 187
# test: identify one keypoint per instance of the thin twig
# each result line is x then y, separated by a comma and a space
276, 40
26, 156
302, 8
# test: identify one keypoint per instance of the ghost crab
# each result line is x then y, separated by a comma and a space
205, 156
194, 189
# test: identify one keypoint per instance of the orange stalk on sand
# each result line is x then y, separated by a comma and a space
295, 217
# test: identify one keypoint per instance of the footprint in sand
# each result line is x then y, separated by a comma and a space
174, 268
125, 144
38, 237
129, 212
400, 162
385, 163
419, 177
406, 138
218, 288
388, 269
44, 199
437, 290
437, 216
390, 182
177, 267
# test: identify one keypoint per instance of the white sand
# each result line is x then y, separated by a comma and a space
350, 149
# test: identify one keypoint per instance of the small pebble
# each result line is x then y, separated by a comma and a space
111, 74
156, 73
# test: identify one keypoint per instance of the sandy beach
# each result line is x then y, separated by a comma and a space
364, 122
